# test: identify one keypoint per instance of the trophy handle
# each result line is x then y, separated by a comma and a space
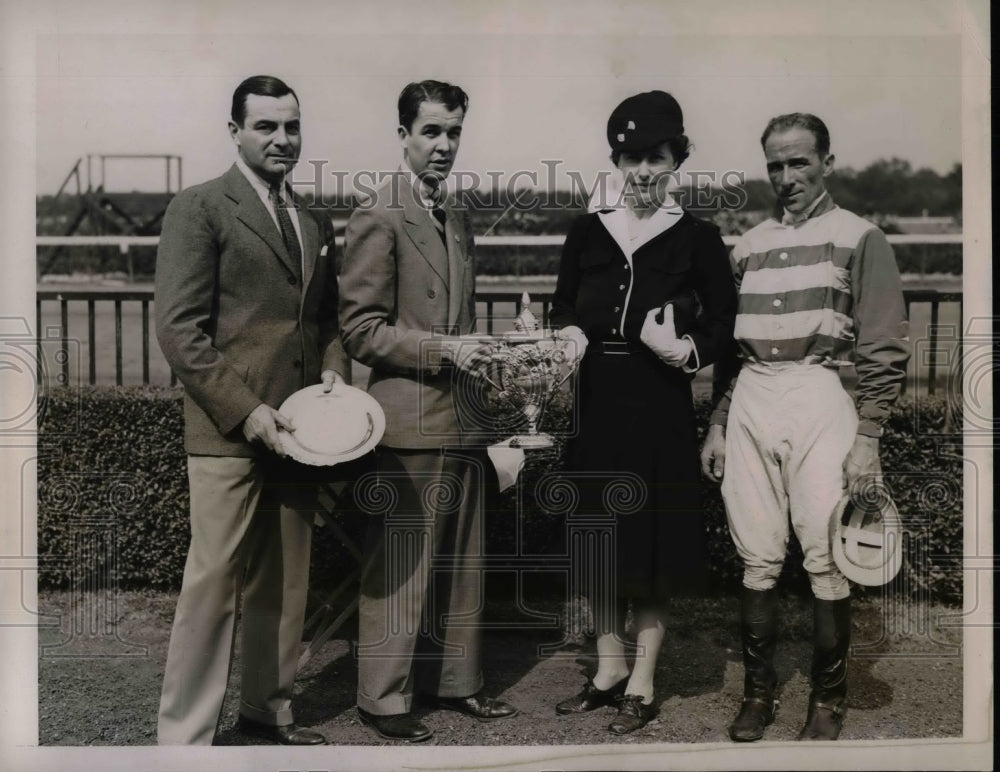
566, 377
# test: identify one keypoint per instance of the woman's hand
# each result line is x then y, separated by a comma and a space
663, 340
577, 341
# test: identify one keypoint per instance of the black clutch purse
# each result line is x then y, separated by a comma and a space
687, 309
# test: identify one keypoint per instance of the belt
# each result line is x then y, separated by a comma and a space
616, 347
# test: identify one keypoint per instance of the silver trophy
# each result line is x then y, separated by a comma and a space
528, 367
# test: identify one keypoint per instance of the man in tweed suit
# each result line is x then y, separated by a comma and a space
407, 294
246, 303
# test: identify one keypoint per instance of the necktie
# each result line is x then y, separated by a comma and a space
439, 215
437, 211
287, 229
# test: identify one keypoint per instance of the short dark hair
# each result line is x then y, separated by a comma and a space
413, 94
680, 148
262, 85
806, 121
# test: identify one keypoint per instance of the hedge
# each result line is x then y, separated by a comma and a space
112, 498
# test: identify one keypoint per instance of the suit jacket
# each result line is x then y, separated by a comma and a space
402, 289
238, 321
686, 265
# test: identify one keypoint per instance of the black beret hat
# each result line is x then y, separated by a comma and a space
644, 121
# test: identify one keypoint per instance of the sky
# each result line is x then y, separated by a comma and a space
542, 80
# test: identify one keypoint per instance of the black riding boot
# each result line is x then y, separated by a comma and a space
759, 632
832, 638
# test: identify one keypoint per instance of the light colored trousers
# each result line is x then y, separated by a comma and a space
244, 536
790, 428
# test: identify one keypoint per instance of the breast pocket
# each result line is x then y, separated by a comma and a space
663, 277
669, 281
594, 260
675, 264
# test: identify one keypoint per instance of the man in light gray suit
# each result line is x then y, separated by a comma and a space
407, 295
246, 304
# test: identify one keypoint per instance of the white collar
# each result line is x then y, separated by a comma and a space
422, 190
630, 233
259, 184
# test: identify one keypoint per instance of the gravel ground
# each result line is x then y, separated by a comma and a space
101, 665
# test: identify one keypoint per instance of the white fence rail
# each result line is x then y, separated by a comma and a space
553, 240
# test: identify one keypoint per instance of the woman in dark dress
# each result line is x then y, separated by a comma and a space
645, 290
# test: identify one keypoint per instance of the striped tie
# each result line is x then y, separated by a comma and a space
287, 229
437, 211
439, 215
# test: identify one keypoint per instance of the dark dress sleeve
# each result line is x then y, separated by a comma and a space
712, 279
563, 313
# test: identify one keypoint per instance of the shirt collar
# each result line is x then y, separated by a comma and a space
663, 218
429, 195
261, 186
631, 233
821, 205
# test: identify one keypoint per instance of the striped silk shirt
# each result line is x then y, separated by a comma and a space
825, 290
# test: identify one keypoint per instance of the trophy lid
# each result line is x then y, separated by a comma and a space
526, 321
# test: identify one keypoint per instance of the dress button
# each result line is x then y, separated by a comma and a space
291, 279
614, 331
621, 286
774, 350
457, 237
776, 302
628, 267
783, 255
617, 309
431, 293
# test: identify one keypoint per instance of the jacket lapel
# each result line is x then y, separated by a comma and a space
310, 241
659, 223
251, 212
458, 268
616, 225
421, 230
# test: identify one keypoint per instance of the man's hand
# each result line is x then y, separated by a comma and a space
262, 426
329, 379
469, 356
662, 338
577, 342
713, 453
862, 461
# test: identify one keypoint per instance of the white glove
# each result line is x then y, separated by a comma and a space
577, 342
663, 340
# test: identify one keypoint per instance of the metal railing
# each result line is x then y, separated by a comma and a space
130, 314
130, 308
117, 299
